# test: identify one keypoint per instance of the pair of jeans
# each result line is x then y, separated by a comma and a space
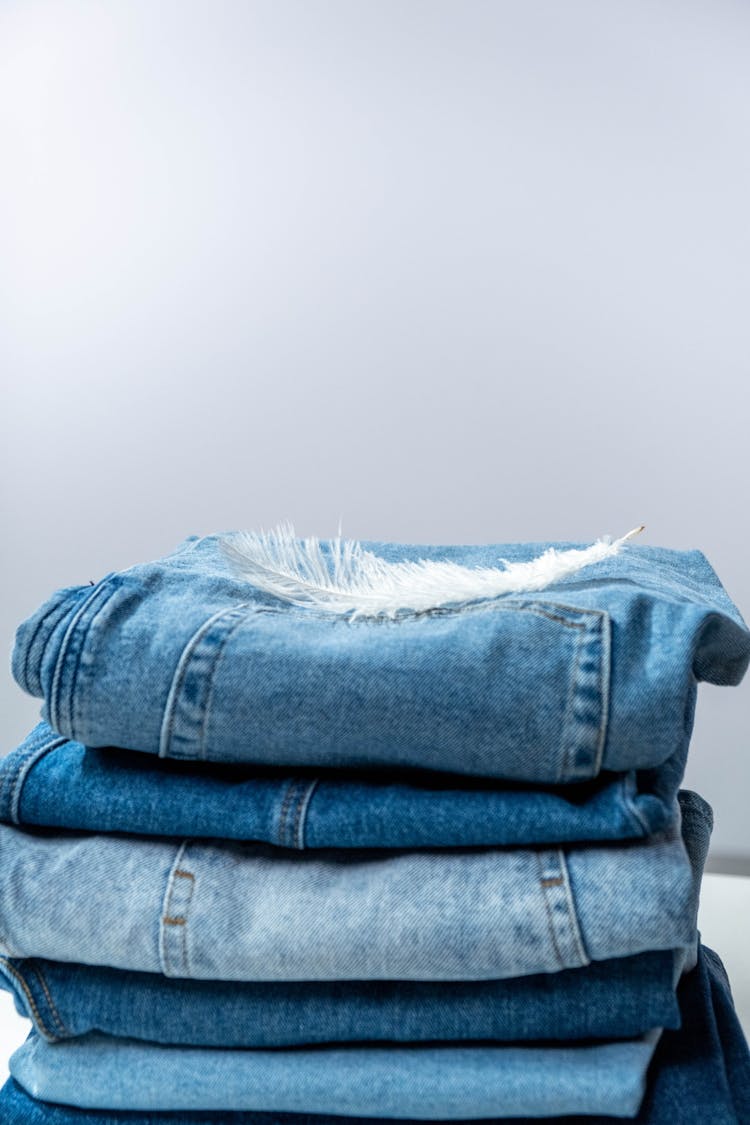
700, 1075
209, 910
455, 1082
615, 999
50, 781
183, 657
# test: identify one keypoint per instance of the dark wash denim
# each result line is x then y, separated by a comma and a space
52, 782
181, 657
700, 1075
615, 999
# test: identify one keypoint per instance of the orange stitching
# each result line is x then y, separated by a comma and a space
53, 1007
32, 1003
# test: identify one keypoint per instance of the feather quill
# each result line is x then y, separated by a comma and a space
347, 579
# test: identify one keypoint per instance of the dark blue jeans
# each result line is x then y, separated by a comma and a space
52, 782
615, 999
700, 1076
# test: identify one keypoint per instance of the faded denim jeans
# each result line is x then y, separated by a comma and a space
208, 910
181, 657
461, 1082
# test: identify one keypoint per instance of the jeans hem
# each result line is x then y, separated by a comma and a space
28, 986
12, 779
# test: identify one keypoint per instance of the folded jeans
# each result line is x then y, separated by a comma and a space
50, 781
615, 999
598, 671
699, 1074
253, 912
461, 1083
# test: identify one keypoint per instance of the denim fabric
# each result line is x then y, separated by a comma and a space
616, 999
182, 658
422, 1081
49, 781
700, 1075
252, 912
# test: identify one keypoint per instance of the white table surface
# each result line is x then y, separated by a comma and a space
724, 922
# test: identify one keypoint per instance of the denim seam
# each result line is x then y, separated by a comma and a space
590, 675
210, 689
560, 909
282, 834
247, 608
183, 666
603, 667
179, 676
73, 699
290, 833
628, 785
56, 688
32, 641
494, 605
9, 781
53, 1007
605, 681
544, 884
564, 770
173, 925
303, 805
11, 786
575, 928
21, 982
283, 812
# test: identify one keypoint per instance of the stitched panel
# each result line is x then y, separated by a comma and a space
14, 771
188, 704
561, 913
291, 824
586, 714
173, 926
61, 695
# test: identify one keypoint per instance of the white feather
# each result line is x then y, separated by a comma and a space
346, 578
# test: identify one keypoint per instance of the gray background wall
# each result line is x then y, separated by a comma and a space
451, 271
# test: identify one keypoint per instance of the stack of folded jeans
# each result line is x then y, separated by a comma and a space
318, 832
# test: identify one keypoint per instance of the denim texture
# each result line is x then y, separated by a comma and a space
179, 657
252, 912
615, 999
700, 1075
52, 782
421, 1081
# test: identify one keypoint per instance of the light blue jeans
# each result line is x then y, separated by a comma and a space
448, 1082
252, 912
181, 657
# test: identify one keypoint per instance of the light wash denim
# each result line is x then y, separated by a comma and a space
253, 912
180, 657
450, 1082
700, 1075
52, 782
617, 999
